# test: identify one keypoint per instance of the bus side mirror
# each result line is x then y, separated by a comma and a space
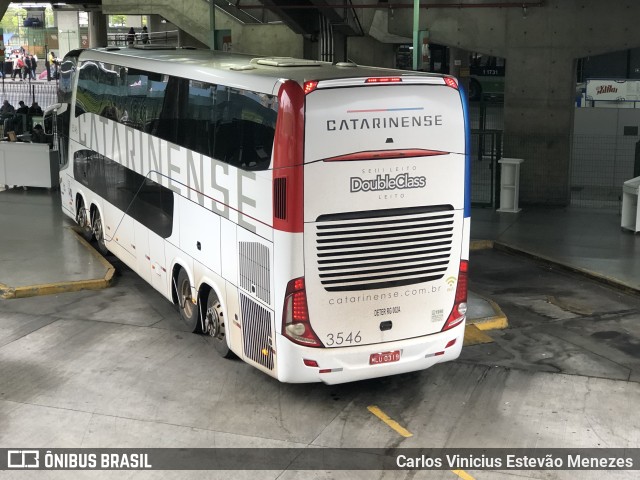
49, 118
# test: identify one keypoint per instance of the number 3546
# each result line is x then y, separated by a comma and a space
343, 338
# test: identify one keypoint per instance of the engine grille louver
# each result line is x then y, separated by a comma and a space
383, 248
255, 270
256, 332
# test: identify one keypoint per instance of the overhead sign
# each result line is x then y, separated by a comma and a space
613, 90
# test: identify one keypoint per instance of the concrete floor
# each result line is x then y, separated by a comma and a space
585, 239
37, 248
114, 368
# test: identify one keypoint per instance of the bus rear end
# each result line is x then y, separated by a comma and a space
385, 230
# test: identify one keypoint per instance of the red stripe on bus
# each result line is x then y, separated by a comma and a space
385, 154
288, 160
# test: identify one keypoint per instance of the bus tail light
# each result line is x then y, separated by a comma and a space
295, 315
459, 310
383, 80
451, 82
310, 86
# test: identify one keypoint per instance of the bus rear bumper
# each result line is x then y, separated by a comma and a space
350, 364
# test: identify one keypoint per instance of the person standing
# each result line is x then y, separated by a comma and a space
131, 36
34, 65
27, 67
47, 66
17, 67
145, 35
53, 61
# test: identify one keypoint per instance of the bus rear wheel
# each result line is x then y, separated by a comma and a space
82, 219
214, 325
98, 232
188, 309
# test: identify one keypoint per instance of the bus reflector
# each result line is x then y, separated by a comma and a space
383, 80
459, 309
385, 155
451, 82
310, 86
295, 315
310, 363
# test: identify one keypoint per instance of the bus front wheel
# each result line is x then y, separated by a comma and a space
214, 325
188, 309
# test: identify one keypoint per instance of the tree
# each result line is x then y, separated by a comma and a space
117, 20
12, 19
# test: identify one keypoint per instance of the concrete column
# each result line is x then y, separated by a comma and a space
310, 48
68, 32
154, 24
538, 119
459, 66
97, 30
339, 47
541, 45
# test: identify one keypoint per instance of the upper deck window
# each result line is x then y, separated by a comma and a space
231, 125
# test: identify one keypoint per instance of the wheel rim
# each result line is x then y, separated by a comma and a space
185, 298
81, 216
97, 229
214, 324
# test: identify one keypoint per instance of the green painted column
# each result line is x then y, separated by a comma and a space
416, 33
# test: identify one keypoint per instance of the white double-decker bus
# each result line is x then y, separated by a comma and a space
312, 218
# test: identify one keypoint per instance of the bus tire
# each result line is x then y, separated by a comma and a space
83, 221
188, 309
98, 232
215, 325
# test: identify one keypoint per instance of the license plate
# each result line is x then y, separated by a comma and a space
384, 357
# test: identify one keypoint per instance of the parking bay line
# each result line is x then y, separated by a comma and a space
463, 475
390, 422
406, 433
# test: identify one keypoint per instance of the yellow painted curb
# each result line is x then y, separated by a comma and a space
6, 291
498, 321
63, 287
480, 245
110, 268
474, 336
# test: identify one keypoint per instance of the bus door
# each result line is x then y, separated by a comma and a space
384, 197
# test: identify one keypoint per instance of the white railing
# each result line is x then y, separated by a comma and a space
170, 37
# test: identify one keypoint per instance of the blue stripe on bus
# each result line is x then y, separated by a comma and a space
467, 152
